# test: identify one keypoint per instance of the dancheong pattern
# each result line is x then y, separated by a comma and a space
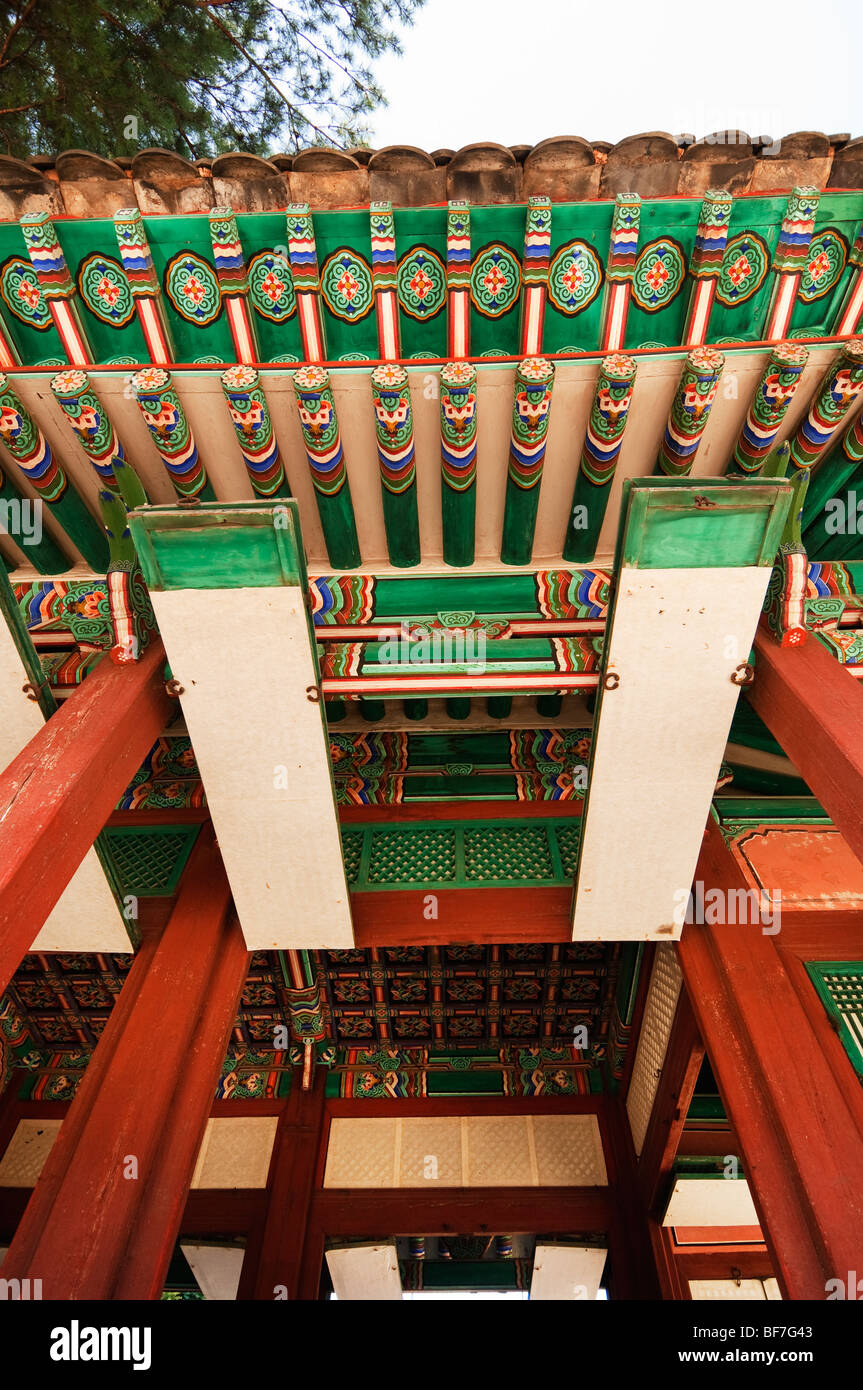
744, 266
103, 286
346, 284
828, 253
574, 278
192, 287
22, 295
659, 274
271, 288
421, 282
495, 280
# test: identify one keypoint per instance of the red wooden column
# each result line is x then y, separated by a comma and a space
794, 1115
57, 794
274, 1261
93, 1229
814, 708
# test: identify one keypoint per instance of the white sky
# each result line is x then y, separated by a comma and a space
519, 71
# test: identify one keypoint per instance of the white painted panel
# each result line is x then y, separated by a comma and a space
366, 1272
772, 1290
726, 1290
217, 1269
710, 1202
235, 1152
659, 742
244, 661
85, 917
563, 1272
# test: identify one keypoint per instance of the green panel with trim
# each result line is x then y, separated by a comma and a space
714, 523
839, 984
105, 300
147, 862
241, 546
461, 854
25, 314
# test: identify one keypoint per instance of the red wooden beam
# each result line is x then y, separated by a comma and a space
58, 793
814, 709
274, 1260
479, 916
801, 1140
91, 1230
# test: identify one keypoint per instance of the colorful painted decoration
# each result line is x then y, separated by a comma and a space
228, 255
458, 428
711, 235
320, 426
32, 452
394, 422
495, 280
251, 419
342, 600
22, 294
744, 268
193, 288
28, 446
166, 420
458, 244
537, 241
658, 275
785, 600
608, 416
534, 379
575, 277
422, 283
346, 285
795, 234
623, 249
826, 260
301, 248
773, 395
88, 419
395, 435
103, 287
690, 411
837, 393
135, 252
383, 239
271, 288
132, 616
46, 256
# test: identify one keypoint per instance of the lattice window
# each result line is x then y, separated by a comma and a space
148, 862
840, 986
352, 849
568, 837
659, 1010
412, 856
501, 853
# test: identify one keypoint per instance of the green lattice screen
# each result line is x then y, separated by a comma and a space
840, 986
148, 862
461, 854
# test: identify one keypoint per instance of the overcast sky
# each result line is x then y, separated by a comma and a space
517, 72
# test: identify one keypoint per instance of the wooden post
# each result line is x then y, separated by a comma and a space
458, 278
320, 425
57, 285
622, 255
383, 231
458, 446
58, 793
537, 250
789, 259
233, 277
391, 397
802, 1146
307, 281
106, 1211
534, 380
690, 411
144, 284
602, 442
779, 381
814, 708
705, 265
272, 1270
250, 417
680, 1068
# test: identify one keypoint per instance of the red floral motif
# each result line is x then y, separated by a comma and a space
348, 286
573, 278
421, 284
656, 275
194, 290
272, 287
28, 293
495, 281
739, 270
108, 291
819, 266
